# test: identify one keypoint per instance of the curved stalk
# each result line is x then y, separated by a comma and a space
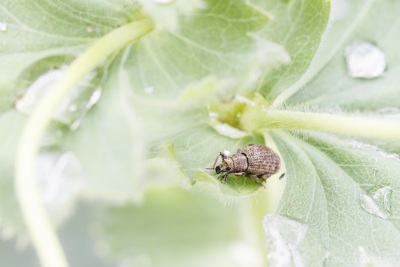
41, 231
343, 124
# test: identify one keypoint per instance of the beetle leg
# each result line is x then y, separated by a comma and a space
224, 177
257, 180
259, 183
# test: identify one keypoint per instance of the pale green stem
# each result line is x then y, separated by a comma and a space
274, 184
41, 231
343, 124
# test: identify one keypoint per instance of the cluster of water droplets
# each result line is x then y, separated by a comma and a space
283, 239
378, 201
73, 108
61, 181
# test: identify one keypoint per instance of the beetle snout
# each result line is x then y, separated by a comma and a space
218, 169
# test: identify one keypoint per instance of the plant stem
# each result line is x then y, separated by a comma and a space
350, 125
41, 231
275, 186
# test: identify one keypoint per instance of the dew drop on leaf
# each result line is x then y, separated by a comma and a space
364, 60
36, 90
377, 201
283, 238
74, 107
3, 27
61, 182
75, 125
225, 129
94, 98
149, 90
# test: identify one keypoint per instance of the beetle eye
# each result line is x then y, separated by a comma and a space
218, 169
228, 168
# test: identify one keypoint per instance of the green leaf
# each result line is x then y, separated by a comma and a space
298, 26
341, 192
140, 112
333, 187
176, 227
328, 84
151, 129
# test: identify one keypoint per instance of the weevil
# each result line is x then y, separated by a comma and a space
254, 161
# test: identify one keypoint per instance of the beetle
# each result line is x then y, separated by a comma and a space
254, 161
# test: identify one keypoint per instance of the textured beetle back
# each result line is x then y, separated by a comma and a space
261, 160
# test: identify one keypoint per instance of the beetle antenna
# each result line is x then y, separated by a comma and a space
215, 161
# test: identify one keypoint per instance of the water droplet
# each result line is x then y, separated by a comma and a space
75, 125
149, 90
36, 90
213, 115
365, 60
289, 241
226, 129
378, 201
3, 26
245, 100
73, 107
283, 238
163, 2
94, 98
61, 181
368, 147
